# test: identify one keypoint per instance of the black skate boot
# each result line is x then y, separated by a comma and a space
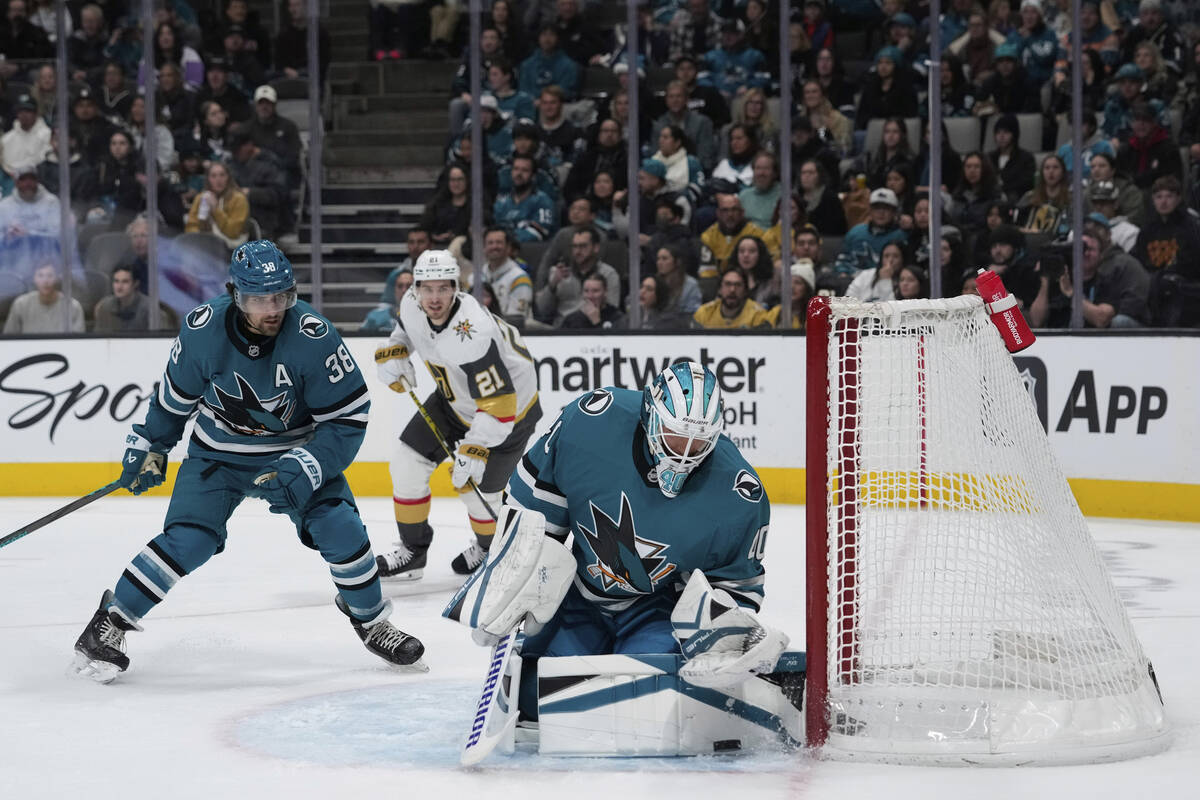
469, 560
388, 642
100, 649
402, 564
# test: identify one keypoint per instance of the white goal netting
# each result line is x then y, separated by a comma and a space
970, 616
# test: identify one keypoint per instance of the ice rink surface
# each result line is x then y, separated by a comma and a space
248, 683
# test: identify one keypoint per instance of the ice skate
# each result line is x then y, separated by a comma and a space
388, 642
402, 564
469, 560
100, 649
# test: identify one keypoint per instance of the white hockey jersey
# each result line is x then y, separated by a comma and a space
480, 363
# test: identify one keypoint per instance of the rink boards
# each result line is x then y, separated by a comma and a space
1120, 411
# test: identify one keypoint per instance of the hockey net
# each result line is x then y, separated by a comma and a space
958, 608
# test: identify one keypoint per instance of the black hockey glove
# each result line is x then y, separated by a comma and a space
288, 482
141, 468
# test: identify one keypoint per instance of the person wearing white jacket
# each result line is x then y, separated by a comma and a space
878, 284
28, 141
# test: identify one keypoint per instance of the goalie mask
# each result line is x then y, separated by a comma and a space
262, 278
682, 413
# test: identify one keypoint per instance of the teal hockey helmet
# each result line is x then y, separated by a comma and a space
259, 268
683, 414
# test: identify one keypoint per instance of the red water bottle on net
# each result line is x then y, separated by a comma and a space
1002, 307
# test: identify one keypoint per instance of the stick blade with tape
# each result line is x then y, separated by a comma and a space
495, 721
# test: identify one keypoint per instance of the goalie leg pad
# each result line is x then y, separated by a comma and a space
527, 573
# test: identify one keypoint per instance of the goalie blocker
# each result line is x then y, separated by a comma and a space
733, 687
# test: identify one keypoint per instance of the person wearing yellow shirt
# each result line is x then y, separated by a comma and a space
733, 308
222, 209
718, 241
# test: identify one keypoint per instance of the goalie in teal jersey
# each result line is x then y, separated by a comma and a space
280, 410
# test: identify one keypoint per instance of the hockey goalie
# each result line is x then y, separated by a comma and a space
641, 637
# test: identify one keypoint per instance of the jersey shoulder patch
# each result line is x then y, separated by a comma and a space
200, 316
313, 326
747, 486
596, 402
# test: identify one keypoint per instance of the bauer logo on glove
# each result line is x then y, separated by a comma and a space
470, 462
394, 367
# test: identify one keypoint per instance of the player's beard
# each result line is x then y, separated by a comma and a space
264, 324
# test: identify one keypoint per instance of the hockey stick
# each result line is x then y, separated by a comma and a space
495, 721
445, 447
74, 505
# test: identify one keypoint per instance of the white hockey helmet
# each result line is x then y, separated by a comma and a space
436, 265
683, 416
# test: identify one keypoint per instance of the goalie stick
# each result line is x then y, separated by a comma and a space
74, 505
495, 719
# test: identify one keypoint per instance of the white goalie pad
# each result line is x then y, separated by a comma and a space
617, 705
527, 573
723, 643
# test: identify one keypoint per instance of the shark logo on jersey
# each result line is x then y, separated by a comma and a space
596, 403
247, 414
748, 487
313, 326
199, 317
464, 329
624, 559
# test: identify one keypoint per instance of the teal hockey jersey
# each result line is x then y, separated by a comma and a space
256, 398
591, 475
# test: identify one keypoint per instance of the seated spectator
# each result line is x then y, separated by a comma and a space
1168, 243
245, 69
21, 40
217, 88
1102, 197
957, 94
751, 109
1116, 288
562, 293
751, 254
580, 214
175, 100
887, 91
1096, 36
1037, 46
1009, 259
735, 172
256, 41
27, 142
950, 160
263, 181
30, 210
1131, 202
579, 37
1005, 90
1095, 86
45, 309
733, 67
733, 308
607, 153
893, 150
511, 32
164, 142
864, 243
85, 48
803, 283
651, 184
806, 145
1118, 111
497, 133
594, 311
121, 193
829, 73
717, 243
1160, 83
695, 126
912, 283
761, 196
684, 174
831, 127
975, 192
501, 80
1150, 153
168, 49
1154, 27
44, 14
210, 133
291, 45
601, 198
448, 213
694, 29
221, 209
115, 95
526, 210
549, 66
511, 286
1093, 142
670, 230
564, 141
127, 309
460, 89
275, 133
382, 318
899, 180
1015, 167
527, 141
818, 30
94, 131
877, 284
704, 98
653, 299
683, 290
1042, 208
189, 179
976, 47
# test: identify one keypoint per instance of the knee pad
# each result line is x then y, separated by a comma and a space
482, 522
410, 472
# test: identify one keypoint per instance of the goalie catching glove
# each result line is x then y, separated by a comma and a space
395, 368
525, 578
723, 644
141, 468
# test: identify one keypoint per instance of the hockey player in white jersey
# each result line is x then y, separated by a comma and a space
485, 407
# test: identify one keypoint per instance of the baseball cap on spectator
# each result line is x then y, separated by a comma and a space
892, 54
1143, 111
218, 62
902, 19
803, 269
85, 94
733, 26
1007, 50
652, 166
688, 57
1010, 123
25, 103
1103, 190
28, 168
1099, 219
489, 101
1130, 72
884, 197
266, 92
526, 128
1035, 4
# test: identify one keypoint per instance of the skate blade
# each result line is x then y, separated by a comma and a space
403, 577
416, 668
98, 671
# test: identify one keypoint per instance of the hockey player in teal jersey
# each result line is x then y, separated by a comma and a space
280, 410
652, 493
